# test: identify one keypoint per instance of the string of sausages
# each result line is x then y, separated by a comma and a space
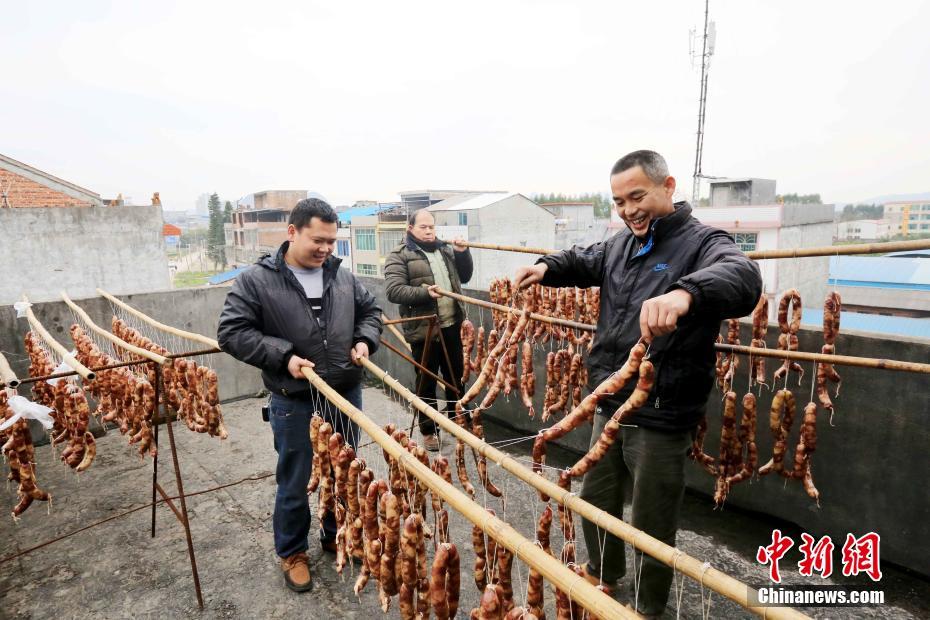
190, 390
20, 457
738, 454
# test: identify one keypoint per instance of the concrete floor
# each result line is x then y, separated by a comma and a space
117, 570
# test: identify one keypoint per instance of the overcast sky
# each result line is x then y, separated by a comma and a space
360, 100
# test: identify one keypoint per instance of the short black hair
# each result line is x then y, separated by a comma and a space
309, 208
651, 162
412, 218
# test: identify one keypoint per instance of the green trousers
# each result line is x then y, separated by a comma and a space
653, 463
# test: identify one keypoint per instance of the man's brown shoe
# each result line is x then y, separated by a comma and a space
297, 572
431, 443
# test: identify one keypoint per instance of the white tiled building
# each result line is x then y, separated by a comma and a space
503, 218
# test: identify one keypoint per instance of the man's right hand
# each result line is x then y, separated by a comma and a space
526, 276
295, 364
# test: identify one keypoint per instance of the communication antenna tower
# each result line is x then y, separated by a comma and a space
707, 50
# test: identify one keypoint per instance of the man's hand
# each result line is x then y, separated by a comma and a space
359, 351
295, 364
433, 291
526, 276
659, 315
458, 244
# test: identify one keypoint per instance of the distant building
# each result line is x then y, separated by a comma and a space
373, 237
259, 224
502, 218
576, 224
22, 186
914, 216
771, 227
414, 200
202, 205
344, 246
742, 192
867, 230
172, 236
897, 284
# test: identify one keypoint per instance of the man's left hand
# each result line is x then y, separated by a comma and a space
359, 351
659, 315
459, 244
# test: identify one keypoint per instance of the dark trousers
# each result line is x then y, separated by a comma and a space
436, 362
290, 423
654, 463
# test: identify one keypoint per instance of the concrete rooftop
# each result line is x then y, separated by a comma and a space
117, 570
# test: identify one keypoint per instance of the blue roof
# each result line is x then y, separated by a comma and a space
226, 276
897, 325
911, 253
346, 216
880, 272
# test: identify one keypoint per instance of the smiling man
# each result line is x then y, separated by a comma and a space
670, 280
294, 309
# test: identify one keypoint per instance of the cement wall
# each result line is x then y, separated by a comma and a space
870, 466
47, 250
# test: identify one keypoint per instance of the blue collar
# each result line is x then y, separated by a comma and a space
647, 247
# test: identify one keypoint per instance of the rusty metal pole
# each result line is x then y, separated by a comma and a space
155, 439
185, 519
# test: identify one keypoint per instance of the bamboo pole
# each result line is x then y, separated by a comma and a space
7, 376
155, 357
842, 250
210, 342
584, 327
712, 578
827, 250
66, 357
552, 569
396, 332
409, 319
843, 360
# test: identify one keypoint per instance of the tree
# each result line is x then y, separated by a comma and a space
862, 212
216, 237
803, 199
602, 202
227, 213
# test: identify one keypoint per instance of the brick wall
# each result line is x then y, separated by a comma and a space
23, 192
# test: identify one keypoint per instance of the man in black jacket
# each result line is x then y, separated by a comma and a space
425, 260
291, 310
671, 280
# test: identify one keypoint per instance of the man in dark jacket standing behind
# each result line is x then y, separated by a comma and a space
670, 280
291, 310
424, 259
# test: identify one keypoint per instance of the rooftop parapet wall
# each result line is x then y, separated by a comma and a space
46, 250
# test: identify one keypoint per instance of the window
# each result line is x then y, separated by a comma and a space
463, 218
746, 241
390, 239
365, 239
366, 270
342, 247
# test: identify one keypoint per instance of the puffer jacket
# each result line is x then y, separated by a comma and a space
682, 253
406, 269
267, 318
